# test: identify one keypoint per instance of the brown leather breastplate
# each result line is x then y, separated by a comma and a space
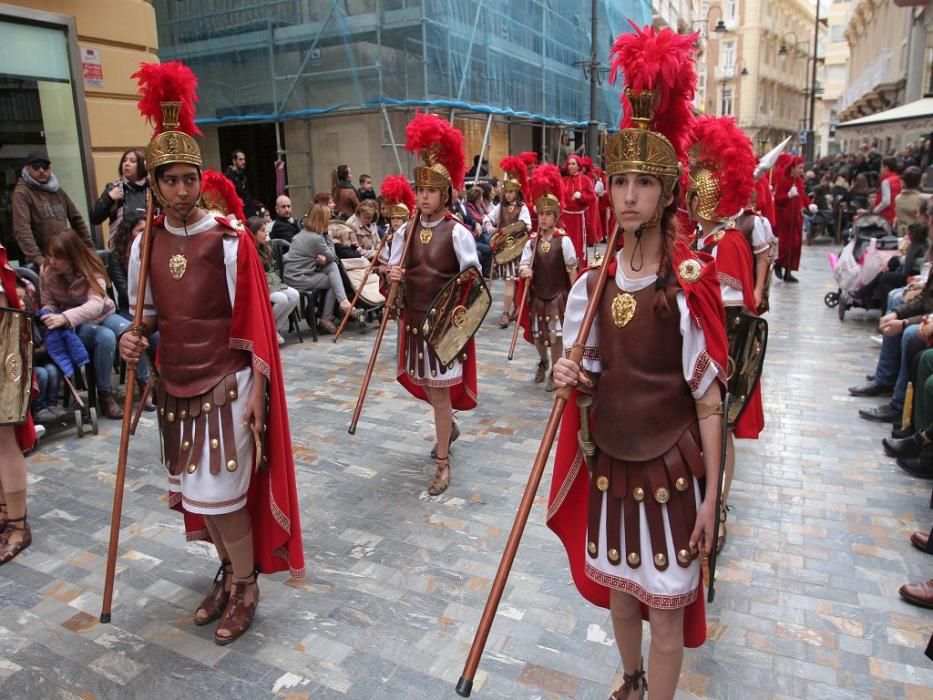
550, 273
508, 214
194, 313
429, 265
643, 403
745, 223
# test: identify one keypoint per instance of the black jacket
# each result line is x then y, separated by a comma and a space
284, 229
134, 200
117, 274
238, 178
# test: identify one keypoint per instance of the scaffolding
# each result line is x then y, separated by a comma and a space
290, 59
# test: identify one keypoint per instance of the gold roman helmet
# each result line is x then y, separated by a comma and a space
168, 92
722, 167
441, 149
546, 188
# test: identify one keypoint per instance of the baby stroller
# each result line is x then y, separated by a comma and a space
371, 300
872, 244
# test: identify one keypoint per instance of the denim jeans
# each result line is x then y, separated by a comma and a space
895, 299
49, 378
101, 342
893, 367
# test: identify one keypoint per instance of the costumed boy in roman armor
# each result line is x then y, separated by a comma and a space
219, 197
17, 432
441, 248
637, 514
503, 215
398, 202
222, 412
790, 199
578, 195
721, 180
549, 265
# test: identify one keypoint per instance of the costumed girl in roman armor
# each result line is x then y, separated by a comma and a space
222, 412
758, 229
16, 436
790, 199
636, 515
578, 195
549, 265
504, 214
721, 181
441, 248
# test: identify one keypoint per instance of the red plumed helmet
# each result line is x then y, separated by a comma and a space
530, 158
398, 194
723, 152
663, 62
219, 194
546, 188
441, 148
517, 170
167, 82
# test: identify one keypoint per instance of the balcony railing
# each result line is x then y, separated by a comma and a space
881, 71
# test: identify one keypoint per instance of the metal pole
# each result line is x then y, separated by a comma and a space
482, 151
592, 135
469, 54
811, 134
398, 161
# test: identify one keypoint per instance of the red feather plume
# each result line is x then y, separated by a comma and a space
724, 148
517, 167
661, 61
530, 158
395, 188
428, 130
546, 179
167, 82
216, 187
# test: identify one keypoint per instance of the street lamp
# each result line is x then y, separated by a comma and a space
782, 52
720, 27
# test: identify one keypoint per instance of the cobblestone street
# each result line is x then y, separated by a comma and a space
806, 606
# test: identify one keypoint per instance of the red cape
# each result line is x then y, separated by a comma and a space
524, 319
574, 223
789, 219
272, 499
735, 264
26, 431
463, 396
765, 202
568, 502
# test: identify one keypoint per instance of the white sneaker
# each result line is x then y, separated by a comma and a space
281, 339
877, 339
40, 430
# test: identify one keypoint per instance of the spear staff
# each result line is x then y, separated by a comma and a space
356, 297
465, 684
390, 302
136, 329
521, 305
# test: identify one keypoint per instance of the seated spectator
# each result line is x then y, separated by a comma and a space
365, 232
131, 226
284, 299
327, 199
859, 192
48, 376
366, 190
284, 226
908, 201
311, 263
73, 289
126, 195
477, 211
344, 193
344, 239
898, 268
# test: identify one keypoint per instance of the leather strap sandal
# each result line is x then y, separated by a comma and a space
441, 479
9, 549
454, 434
238, 615
551, 386
632, 683
540, 371
504, 320
723, 516
216, 601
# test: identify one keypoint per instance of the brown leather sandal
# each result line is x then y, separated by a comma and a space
631, 684
540, 371
9, 550
441, 479
504, 320
216, 601
454, 434
238, 615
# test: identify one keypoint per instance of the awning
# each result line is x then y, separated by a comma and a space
910, 120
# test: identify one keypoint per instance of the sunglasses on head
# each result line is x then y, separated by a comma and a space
41, 165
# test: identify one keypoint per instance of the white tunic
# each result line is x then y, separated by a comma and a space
465, 250
731, 295
675, 587
203, 492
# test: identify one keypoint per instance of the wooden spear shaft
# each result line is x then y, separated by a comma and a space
521, 305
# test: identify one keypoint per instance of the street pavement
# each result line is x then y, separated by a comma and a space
806, 605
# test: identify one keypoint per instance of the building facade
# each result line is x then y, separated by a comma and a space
324, 83
65, 87
890, 44
758, 69
835, 74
